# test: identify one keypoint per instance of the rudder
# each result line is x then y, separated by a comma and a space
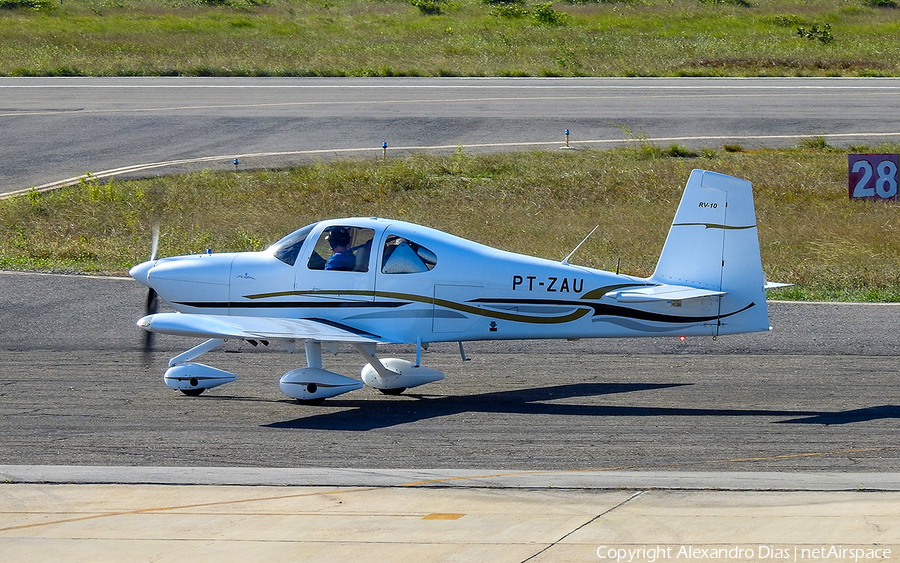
713, 244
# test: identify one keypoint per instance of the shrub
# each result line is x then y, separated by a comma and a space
26, 4
428, 7
546, 15
815, 32
680, 151
815, 144
510, 10
741, 3
628, 2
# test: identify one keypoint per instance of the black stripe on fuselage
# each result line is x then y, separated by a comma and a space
602, 309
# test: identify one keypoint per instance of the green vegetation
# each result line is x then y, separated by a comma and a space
540, 203
449, 38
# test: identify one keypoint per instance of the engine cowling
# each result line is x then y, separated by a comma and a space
194, 377
310, 384
407, 375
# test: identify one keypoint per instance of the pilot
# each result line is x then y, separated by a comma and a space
343, 257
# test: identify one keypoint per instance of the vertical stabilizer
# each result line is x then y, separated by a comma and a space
713, 244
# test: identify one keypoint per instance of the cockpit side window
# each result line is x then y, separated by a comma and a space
288, 248
403, 256
342, 248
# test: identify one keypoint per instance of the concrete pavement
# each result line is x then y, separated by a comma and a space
97, 514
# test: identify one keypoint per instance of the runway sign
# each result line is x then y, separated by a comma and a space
873, 176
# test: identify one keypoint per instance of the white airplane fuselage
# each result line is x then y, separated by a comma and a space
365, 281
473, 292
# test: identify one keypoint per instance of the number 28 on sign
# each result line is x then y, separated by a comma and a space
873, 176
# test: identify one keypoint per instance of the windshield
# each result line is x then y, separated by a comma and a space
288, 248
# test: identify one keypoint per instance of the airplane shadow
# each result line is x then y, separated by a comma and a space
371, 415
846, 417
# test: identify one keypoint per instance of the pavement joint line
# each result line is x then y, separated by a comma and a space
344, 479
185, 507
584, 524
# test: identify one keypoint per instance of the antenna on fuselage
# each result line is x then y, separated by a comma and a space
574, 250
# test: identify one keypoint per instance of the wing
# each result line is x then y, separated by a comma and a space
253, 328
662, 292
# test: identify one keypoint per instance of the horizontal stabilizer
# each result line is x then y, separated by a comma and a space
662, 292
776, 285
262, 328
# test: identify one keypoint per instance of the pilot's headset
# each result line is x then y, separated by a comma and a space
339, 236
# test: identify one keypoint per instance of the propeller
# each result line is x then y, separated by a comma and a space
154, 232
151, 305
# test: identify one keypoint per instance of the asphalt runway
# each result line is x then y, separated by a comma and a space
129, 127
529, 451
817, 394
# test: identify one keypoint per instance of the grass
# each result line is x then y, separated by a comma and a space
449, 38
540, 203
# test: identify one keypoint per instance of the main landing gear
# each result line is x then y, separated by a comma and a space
310, 385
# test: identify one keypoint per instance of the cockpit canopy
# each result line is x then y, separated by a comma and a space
348, 247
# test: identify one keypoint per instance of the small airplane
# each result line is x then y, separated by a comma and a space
367, 281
